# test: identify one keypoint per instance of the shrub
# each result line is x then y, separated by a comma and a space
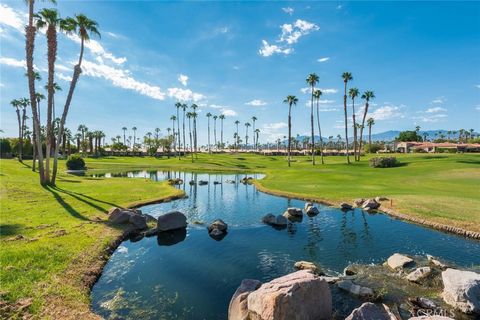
5, 147
75, 162
384, 162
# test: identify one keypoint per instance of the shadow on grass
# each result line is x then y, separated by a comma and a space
469, 161
9, 229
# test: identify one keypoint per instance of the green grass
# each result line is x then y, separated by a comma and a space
48, 266
438, 188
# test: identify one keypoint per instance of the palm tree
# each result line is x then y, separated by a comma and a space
215, 131
189, 116
236, 140
370, 123
367, 96
83, 27
317, 94
173, 118
56, 88
49, 19
291, 101
38, 98
312, 80
134, 138
257, 132
253, 128
208, 121
247, 124
184, 108
178, 105
124, 129
194, 115
353, 93
17, 104
347, 76
221, 117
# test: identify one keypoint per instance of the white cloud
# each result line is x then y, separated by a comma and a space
256, 103
11, 18
288, 10
222, 30
273, 131
439, 100
2, 85
328, 91
225, 110
113, 35
477, 108
387, 112
13, 62
274, 126
183, 79
122, 79
184, 94
96, 48
478, 86
323, 59
431, 118
290, 35
327, 109
326, 101
63, 77
267, 50
305, 90
339, 7
435, 110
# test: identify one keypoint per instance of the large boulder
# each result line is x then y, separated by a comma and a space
138, 221
238, 307
307, 265
419, 274
275, 221
461, 289
345, 206
219, 225
295, 212
398, 260
355, 289
171, 221
368, 311
308, 204
358, 202
119, 216
299, 295
370, 204
312, 211
436, 262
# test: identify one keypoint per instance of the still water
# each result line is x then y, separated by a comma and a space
194, 276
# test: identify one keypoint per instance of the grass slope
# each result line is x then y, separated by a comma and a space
64, 232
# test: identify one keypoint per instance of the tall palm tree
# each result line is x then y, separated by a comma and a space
134, 138
367, 96
291, 101
56, 88
346, 76
208, 121
353, 93
49, 19
194, 115
17, 105
215, 117
84, 28
312, 80
253, 129
370, 123
221, 117
184, 108
124, 129
317, 94
236, 140
178, 105
36, 153
257, 132
189, 116
247, 124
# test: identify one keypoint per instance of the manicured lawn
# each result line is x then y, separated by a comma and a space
64, 232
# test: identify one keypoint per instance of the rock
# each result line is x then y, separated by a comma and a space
346, 206
308, 204
238, 307
192, 182
114, 210
355, 289
269, 219
423, 303
175, 182
202, 182
435, 262
330, 279
380, 199
138, 221
219, 225
398, 260
120, 216
461, 289
171, 237
171, 221
217, 235
370, 204
275, 221
298, 295
349, 271
306, 265
368, 311
312, 211
151, 232
431, 318
295, 212
216, 182
358, 202
281, 220
418, 274
150, 218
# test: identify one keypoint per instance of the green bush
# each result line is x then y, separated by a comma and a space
5, 147
75, 162
384, 162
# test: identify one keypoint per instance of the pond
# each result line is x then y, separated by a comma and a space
195, 277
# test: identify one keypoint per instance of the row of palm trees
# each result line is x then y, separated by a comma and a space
52, 23
312, 80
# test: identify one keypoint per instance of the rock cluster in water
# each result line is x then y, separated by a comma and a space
217, 229
133, 217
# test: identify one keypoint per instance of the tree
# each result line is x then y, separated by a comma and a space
215, 131
407, 136
370, 123
84, 28
253, 128
208, 120
312, 80
189, 116
174, 118
346, 76
291, 101
221, 117
257, 132
247, 124
38, 98
237, 136
134, 138
194, 115
367, 96
178, 105
16, 104
317, 94
184, 108
124, 129
353, 93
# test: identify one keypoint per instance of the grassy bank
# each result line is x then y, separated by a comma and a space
52, 238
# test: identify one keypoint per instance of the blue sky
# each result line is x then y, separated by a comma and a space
242, 59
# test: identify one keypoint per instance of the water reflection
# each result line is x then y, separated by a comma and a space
169, 238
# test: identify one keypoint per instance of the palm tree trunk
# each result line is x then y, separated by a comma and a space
355, 153
209, 151
24, 118
346, 130
313, 131
34, 151
320, 133
369, 139
52, 52
29, 48
289, 131
221, 132
215, 133
19, 136
191, 140
178, 131
77, 70
184, 130
361, 130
